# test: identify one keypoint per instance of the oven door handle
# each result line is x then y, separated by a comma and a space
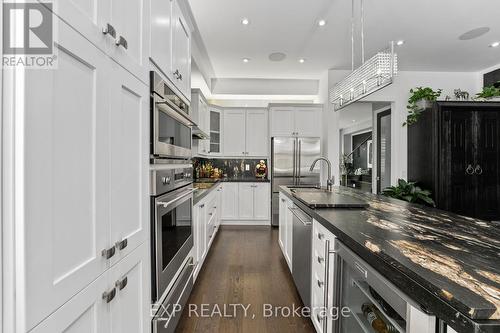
174, 111
168, 203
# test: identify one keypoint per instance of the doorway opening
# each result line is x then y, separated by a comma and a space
383, 174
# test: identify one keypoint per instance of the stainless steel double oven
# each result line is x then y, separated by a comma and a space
172, 242
171, 204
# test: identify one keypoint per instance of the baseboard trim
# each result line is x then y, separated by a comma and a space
245, 222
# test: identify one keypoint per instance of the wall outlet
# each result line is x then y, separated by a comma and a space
247, 167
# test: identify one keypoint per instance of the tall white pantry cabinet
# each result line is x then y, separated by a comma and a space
76, 234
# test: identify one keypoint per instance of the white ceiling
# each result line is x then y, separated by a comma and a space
430, 28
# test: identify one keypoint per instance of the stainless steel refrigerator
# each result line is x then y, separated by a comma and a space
291, 159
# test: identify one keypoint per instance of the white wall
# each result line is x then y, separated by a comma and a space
397, 94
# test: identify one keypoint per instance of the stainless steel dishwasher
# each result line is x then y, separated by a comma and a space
301, 258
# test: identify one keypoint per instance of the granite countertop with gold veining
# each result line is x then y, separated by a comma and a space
450, 264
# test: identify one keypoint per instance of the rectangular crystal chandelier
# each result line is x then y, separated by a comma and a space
374, 74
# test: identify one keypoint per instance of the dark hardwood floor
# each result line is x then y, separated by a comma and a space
245, 266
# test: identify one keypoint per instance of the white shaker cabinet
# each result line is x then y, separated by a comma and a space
130, 310
161, 35
234, 133
282, 122
86, 312
118, 301
171, 44
246, 201
85, 184
245, 132
118, 27
181, 51
251, 201
257, 138
308, 121
128, 157
286, 228
130, 47
262, 200
199, 235
298, 120
230, 201
66, 198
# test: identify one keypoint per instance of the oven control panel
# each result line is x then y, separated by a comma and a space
163, 181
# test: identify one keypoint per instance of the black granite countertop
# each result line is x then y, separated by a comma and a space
448, 263
203, 188
233, 180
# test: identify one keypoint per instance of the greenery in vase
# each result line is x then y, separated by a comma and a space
408, 191
417, 94
489, 92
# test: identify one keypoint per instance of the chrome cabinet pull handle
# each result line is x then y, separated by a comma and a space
108, 253
469, 170
121, 41
478, 170
122, 244
120, 284
109, 295
320, 283
321, 236
319, 317
321, 259
109, 30
176, 74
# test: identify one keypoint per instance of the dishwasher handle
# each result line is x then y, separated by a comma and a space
306, 222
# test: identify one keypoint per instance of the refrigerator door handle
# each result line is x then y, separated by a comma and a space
294, 165
299, 164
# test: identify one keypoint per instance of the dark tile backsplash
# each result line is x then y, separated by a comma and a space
231, 168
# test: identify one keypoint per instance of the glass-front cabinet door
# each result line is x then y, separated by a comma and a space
215, 131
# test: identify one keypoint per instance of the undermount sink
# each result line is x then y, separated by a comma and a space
307, 189
317, 197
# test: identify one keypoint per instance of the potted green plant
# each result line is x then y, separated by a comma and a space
421, 98
409, 191
490, 93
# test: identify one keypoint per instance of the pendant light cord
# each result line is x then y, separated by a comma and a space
362, 33
352, 35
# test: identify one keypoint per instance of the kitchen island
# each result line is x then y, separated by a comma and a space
449, 264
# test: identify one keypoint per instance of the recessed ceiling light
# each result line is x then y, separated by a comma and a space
245, 21
321, 23
495, 44
245, 60
400, 42
277, 56
354, 120
474, 33
302, 60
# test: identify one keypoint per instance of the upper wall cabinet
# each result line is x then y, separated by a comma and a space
161, 35
118, 27
171, 44
181, 51
296, 121
245, 133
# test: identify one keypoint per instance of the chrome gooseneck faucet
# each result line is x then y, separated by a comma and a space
329, 182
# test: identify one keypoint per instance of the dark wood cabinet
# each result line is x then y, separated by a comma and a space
454, 151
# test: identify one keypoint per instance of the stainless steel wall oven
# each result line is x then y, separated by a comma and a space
170, 122
171, 227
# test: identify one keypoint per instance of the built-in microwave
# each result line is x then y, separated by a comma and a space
170, 121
